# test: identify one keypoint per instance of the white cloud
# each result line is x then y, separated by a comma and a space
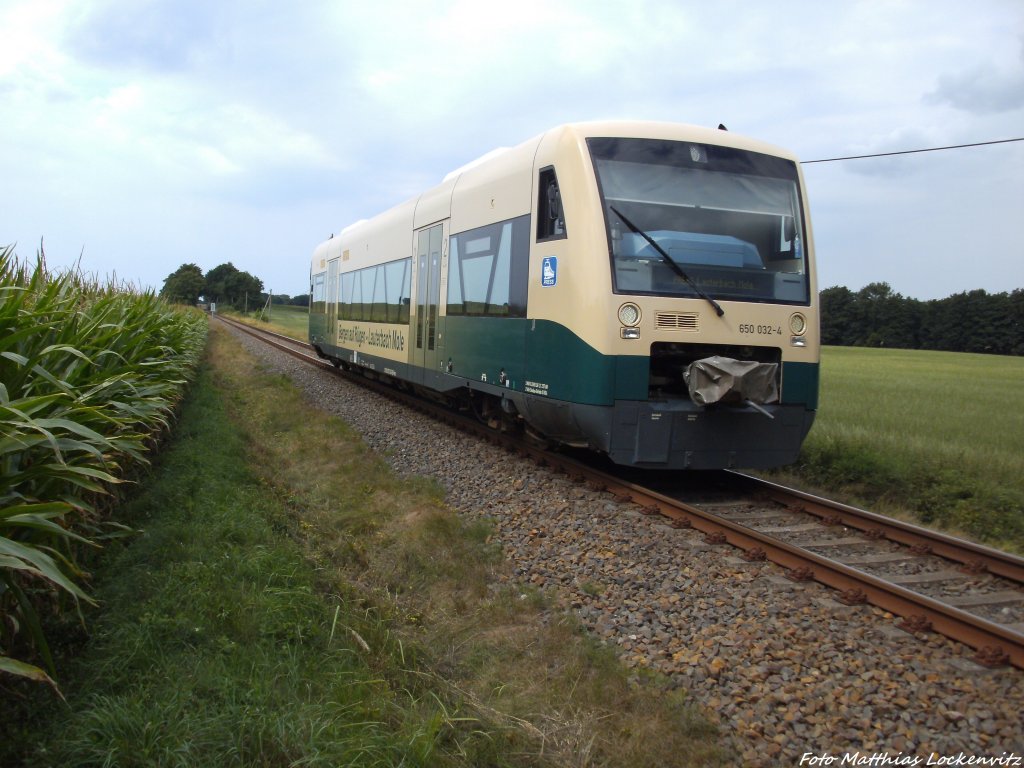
27, 46
252, 130
981, 89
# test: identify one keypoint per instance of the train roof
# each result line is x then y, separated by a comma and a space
425, 208
648, 129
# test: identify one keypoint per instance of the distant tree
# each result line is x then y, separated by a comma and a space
877, 316
962, 322
217, 281
872, 310
185, 285
1016, 305
893, 320
303, 300
839, 321
245, 289
997, 315
985, 319
227, 284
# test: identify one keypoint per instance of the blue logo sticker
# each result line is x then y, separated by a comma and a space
549, 271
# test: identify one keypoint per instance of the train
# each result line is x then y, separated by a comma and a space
643, 290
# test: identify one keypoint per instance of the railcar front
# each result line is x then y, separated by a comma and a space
678, 295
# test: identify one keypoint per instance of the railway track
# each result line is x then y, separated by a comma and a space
933, 582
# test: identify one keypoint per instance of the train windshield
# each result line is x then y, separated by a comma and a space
725, 223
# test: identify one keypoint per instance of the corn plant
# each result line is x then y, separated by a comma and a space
88, 375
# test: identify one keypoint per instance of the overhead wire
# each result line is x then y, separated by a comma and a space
911, 151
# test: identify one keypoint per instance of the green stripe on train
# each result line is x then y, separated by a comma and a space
543, 357
800, 384
540, 357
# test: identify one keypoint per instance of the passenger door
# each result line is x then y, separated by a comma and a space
429, 342
332, 302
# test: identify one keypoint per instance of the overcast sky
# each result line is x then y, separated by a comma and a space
141, 135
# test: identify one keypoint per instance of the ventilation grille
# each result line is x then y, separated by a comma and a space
678, 321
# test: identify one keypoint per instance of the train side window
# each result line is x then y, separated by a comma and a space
356, 310
379, 306
319, 303
397, 275
345, 312
367, 278
550, 216
488, 269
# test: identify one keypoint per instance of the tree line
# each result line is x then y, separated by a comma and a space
877, 316
874, 316
224, 284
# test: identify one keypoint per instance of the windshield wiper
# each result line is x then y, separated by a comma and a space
670, 261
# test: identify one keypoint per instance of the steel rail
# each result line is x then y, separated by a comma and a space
262, 335
995, 643
272, 334
976, 557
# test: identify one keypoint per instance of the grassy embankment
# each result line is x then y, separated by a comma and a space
933, 437
936, 437
292, 602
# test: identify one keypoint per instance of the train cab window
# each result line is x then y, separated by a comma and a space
550, 217
732, 220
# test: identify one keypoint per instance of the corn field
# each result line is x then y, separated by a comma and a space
90, 376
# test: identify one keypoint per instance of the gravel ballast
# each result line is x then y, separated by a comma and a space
789, 673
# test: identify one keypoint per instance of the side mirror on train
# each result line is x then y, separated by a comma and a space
554, 202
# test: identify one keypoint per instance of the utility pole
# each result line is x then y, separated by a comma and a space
266, 307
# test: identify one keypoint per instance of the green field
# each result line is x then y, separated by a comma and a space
938, 436
961, 409
286, 319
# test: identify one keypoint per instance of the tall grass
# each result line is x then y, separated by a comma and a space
89, 375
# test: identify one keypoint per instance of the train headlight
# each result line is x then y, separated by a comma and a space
629, 315
797, 324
